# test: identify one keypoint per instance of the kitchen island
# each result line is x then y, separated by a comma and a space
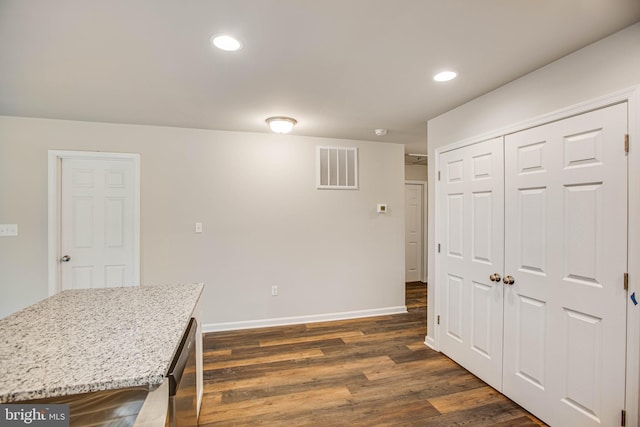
93, 340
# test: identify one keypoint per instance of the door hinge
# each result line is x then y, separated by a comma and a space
623, 418
438, 247
438, 175
626, 143
438, 319
626, 281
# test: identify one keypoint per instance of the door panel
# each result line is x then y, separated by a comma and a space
530, 317
455, 208
82, 216
566, 236
583, 367
481, 318
482, 227
454, 309
532, 205
114, 222
471, 226
97, 222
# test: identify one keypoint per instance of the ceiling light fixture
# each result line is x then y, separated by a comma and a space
380, 132
226, 42
445, 76
281, 124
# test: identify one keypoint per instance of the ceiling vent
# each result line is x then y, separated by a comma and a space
415, 159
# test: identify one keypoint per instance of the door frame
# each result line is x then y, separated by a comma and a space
423, 184
55, 158
632, 97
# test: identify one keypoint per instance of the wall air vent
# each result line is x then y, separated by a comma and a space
337, 168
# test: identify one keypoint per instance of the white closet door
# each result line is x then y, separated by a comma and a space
413, 232
566, 247
471, 229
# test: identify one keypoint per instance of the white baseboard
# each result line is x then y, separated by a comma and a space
296, 320
431, 343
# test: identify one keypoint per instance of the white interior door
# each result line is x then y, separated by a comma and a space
413, 232
471, 250
566, 247
97, 230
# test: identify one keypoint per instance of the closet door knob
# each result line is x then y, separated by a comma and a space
508, 280
495, 277
65, 258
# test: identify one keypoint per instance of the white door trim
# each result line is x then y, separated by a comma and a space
423, 275
632, 97
55, 163
633, 268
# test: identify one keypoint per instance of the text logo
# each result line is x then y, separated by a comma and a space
34, 415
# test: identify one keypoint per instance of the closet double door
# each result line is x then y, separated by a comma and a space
533, 254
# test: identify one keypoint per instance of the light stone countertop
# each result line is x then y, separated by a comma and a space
86, 340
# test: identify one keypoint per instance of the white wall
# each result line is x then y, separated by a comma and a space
415, 172
264, 222
606, 66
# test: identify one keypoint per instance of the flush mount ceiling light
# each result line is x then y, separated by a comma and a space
281, 124
226, 42
380, 132
445, 76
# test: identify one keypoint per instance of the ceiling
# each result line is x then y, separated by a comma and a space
342, 68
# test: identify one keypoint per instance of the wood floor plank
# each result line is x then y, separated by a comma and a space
310, 338
481, 416
425, 368
419, 345
518, 422
467, 399
216, 354
413, 386
382, 335
303, 375
394, 414
260, 351
290, 388
219, 364
347, 323
257, 407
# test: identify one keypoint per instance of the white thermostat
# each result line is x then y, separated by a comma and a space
382, 208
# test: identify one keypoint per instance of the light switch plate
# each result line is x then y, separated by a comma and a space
198, 227
7, 230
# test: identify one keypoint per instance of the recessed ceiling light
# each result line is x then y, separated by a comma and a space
281, 124
445, 76
226, 42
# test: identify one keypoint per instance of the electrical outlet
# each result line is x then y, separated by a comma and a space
274, 290
8, 229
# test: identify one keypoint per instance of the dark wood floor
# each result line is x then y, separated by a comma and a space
362, 372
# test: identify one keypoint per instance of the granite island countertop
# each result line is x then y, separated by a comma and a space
87, 340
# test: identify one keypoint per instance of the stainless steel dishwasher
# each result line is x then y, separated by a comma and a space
183, 400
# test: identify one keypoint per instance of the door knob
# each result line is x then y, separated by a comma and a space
508, 280
65, 258
495, 277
